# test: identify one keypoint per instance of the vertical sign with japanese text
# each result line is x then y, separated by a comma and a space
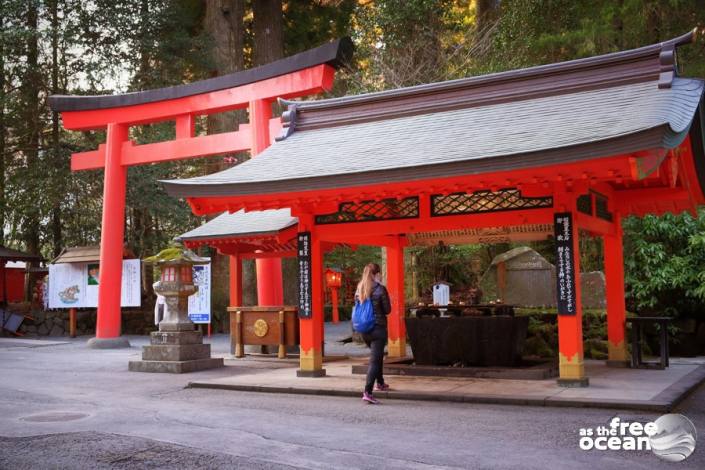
199, 304
565, 275
305, 289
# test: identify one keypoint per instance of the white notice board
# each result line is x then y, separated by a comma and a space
199, 304
75, 285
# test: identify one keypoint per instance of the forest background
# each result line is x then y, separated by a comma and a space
112, 46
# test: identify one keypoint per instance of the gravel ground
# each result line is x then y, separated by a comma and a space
65, 406
88, 450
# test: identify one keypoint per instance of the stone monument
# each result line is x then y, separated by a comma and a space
177, 347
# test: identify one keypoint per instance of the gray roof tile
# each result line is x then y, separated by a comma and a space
473, 140
242, 223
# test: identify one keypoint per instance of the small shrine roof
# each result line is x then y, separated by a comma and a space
241, 223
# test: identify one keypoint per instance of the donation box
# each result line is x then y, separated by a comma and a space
263, 326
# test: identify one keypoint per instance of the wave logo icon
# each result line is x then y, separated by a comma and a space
674, 439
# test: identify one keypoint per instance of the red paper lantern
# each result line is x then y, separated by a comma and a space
334, 279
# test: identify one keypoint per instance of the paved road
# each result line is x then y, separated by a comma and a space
65, 406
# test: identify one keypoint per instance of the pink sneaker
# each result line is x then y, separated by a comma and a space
382, 388
370, 399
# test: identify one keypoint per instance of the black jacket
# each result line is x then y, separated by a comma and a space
381, 304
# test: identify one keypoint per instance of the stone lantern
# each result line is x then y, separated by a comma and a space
177, 347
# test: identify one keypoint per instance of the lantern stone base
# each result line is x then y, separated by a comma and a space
108, 343
176, 352
176, 367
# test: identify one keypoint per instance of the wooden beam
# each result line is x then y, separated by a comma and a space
594, 225
368, 230
180, 149
303, 82
269, 254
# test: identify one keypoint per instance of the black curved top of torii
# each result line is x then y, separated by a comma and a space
337, 53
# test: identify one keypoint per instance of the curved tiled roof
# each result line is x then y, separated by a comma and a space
558, 113
242, 223
517, 134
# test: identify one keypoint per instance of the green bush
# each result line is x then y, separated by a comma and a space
665, 264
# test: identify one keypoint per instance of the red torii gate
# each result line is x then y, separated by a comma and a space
303, 74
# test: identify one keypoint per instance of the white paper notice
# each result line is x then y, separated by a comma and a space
131, 283
76, 285
199, 304
67, 288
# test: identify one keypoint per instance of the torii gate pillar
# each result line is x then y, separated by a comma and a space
108, 323
270, 284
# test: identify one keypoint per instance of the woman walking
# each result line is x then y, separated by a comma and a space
370, 287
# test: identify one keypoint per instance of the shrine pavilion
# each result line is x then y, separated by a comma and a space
573, 146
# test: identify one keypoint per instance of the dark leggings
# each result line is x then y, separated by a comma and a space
376, 340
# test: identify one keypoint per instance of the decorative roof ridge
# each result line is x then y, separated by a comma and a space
655, 62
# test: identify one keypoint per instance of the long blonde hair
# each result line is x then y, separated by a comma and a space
364, 287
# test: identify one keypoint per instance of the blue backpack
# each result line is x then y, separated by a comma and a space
363, 316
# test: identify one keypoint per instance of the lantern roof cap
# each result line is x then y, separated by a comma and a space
176, 255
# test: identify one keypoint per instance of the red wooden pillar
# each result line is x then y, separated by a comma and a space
570, 327
235, 264
395, 286
3, 282
72, 322
270, 286
614, 283
270, 289
311, 329
334, 303
108, 323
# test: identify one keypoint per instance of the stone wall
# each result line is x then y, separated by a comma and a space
56, 322
530, 281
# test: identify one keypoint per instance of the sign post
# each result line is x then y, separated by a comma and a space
305, 289
199, 304
565, 276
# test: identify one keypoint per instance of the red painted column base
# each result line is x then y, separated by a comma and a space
311, 358
395, 285
616, 308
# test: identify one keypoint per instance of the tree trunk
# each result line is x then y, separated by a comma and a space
486, 12
30, 87
653, 21
224, 23
268, 35
3, 204
56, 233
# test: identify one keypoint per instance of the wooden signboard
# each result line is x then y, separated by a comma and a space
305, 290
565, 275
